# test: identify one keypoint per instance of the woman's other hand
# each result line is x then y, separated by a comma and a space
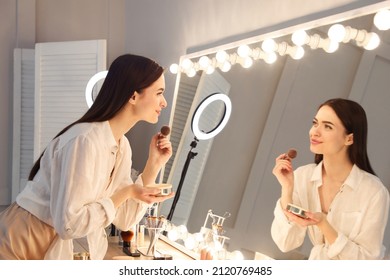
284, 172
310, 220
160, 149
149, 195
138, 192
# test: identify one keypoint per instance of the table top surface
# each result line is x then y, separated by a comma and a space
115, 250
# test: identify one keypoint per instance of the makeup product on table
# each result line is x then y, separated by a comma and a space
127, 237
140, 235
155, 225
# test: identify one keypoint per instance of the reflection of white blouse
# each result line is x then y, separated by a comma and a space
358, 213
79, 172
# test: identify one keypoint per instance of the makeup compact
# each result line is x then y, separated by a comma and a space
296, 210
165, 189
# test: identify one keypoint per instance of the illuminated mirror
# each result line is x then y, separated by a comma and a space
274, 104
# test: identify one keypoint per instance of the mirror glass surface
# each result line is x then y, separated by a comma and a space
272, 109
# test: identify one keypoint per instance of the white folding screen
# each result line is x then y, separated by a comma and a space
23, 120
63, 70
49, 93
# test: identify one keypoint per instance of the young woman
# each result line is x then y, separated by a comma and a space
347, 205
81, 183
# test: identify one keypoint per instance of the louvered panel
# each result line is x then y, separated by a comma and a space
27, 117
23, 119
183, 105
64, 70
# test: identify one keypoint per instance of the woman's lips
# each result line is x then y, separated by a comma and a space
314, 141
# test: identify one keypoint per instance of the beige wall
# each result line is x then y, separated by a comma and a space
73, 20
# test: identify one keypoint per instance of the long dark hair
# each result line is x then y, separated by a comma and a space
128, 73
353, 117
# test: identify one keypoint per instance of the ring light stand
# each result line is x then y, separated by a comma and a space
201, 135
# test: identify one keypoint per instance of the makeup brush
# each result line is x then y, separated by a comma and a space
165, 130
127, 236
292, 153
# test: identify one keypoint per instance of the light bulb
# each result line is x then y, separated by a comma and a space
337, 32
270, 57
372, 41
190, 242
186, 64
226, 66
204, 62
244, 51
174, 68
247, 62
236, 255
198, 237
297, 53
299, 37
221, 56
382, 20
269, 45
182, 229
173, 235
210, 69
332, 46
191, 72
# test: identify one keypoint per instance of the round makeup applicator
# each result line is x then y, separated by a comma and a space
165, 130
292, 153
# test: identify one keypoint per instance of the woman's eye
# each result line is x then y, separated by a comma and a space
328, 126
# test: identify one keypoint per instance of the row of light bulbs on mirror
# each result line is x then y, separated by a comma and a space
196, 241
245, 55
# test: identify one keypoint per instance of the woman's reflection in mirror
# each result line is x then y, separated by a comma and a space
347, 204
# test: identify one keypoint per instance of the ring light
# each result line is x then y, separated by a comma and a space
200, 135
199, 110
91, 83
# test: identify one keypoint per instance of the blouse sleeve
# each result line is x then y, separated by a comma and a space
286, 235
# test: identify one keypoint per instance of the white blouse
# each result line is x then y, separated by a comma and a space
79, 172
358, 213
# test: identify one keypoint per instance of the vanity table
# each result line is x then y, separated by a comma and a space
114, 251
